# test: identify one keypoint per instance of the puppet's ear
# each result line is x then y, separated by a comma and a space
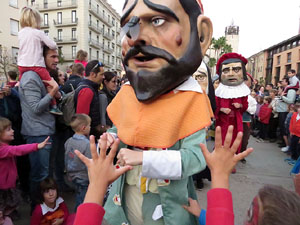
205, 31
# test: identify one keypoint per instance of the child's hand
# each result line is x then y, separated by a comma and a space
51, 83
44, 143
193, 207
223, 159
58, 221
101, 170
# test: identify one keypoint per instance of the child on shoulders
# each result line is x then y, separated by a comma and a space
31, 43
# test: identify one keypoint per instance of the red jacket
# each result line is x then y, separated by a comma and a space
8, 169
264, 114
295, 125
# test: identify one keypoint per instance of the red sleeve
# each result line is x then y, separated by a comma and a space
11, 150
84, 99
219, 207
64, 207
245, 103
95, 212
36, 216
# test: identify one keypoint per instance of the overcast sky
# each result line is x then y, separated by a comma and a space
262, 23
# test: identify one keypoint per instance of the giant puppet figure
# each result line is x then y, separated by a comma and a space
161, 115
232, 93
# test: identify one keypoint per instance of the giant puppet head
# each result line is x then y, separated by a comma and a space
163, 43
232, 69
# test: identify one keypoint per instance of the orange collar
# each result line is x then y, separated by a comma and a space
161, 123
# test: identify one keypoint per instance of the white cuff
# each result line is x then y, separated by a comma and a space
162, 165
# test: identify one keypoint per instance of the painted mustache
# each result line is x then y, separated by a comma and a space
149, 52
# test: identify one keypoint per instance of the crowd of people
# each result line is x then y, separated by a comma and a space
39, 141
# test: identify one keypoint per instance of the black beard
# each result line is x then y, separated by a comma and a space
149, 85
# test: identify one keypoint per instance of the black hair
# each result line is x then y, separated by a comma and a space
109, 75
90, 67
233, 60
12, 74
287, 80
270, 84
292, 71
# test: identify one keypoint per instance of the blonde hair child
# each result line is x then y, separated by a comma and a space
31, 45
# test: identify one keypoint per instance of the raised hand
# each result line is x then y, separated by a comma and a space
223, 159
44, 143
101, 170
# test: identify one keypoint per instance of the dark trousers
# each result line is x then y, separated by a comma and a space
295, 147
246, 135
273, 124
263, 130
281, 120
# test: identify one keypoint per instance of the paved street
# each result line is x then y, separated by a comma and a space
264, 166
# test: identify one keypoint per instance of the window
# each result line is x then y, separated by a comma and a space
32, 2
13, 3
103, 12
14, 27
73, 33
14, 53
294, 44
97, 38
108, 18
74, 51
74, 19
103, 28
90, 35
59, 17
90, 53
113, 33
46, 19
59, 3
45, 4
103, 42
113, 46
97, 24
113, 60
97, 54
289, 57
278, 60
46, 32
113, 21
59, 34
97, 8
103, 56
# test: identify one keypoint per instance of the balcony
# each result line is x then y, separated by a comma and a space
68, 57
107, 63
119, 55
119, 67
93, 10
57, 5
107, 36
44, 26
66, 40
66, 22
94, 27
95, 43
119, 43
107, 49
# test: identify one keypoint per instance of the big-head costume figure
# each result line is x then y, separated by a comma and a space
161, 115
232, 93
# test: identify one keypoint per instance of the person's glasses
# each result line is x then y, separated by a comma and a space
99, 64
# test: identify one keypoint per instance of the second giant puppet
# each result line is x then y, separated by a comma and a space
161, 114
232, 93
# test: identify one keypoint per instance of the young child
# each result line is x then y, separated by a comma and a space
31, 42
9, 195
295, 133
293, 80
77, 171
287, 121
52, 209
264, 118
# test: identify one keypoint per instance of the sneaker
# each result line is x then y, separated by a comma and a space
56, 111
285, 149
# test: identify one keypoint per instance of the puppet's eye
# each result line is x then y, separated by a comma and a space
158, 21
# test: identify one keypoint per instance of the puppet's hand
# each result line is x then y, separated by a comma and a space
225, 110
237, 105
129, 157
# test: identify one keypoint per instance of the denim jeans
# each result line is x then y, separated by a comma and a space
39, 165
81, 189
